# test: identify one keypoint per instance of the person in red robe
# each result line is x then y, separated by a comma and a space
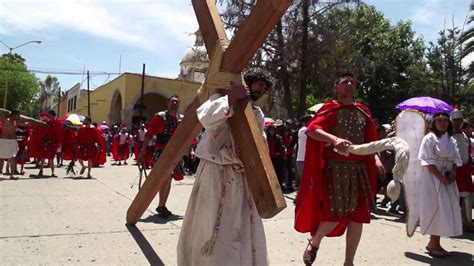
288, 158
88, 144
150, 152
121, 146
464, 173
337, 189
139, 137
49, 143
69, 147
101, 157
36, 134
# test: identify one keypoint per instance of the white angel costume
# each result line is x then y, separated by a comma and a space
221, 225
440, 212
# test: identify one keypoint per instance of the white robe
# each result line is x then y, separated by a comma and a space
221, 225
440, 212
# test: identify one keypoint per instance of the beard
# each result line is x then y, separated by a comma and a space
255, 96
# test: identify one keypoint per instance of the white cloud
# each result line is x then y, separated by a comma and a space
429, 12
147, 24
431, 16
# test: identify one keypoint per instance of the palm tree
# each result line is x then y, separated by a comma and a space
49, 93
467, 37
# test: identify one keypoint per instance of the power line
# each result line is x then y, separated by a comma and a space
59, 72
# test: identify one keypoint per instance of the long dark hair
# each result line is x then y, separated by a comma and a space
433, 126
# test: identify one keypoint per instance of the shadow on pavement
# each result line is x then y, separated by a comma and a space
40, 176
144, 245
466, 235
79, 178
158, 220
457, 258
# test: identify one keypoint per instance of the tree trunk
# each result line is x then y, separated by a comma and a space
283, 75
303, 56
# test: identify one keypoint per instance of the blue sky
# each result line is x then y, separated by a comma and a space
94, 35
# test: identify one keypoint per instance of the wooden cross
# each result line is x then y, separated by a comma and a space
261, 176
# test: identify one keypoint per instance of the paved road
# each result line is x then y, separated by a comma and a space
78, 221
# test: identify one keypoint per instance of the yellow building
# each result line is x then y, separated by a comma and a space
119, 100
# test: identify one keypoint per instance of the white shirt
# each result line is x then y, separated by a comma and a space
463, 145
301, 144
123, 138
141, 134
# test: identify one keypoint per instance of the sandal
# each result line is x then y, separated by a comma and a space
309, 255
435, 253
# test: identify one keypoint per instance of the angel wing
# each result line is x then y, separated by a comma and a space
411, 126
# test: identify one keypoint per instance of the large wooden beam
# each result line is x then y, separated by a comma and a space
253, 32
210, 23
261, 176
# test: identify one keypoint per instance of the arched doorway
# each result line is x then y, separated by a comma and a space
116, 108
153, 103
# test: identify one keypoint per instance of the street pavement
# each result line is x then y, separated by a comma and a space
68, 220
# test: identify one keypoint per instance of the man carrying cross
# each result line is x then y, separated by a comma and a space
221, 225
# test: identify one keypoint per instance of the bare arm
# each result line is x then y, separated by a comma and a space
4, 114
380, 167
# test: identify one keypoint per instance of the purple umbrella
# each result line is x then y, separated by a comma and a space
426, 105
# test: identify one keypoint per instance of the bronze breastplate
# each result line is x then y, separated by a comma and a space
350, 125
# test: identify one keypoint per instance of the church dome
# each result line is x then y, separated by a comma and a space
195, 54
195, 61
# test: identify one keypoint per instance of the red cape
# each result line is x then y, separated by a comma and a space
37, 134
101, 155
115, 148
69, 144
310, 196
137, 145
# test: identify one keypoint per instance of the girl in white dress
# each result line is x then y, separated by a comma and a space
440, 213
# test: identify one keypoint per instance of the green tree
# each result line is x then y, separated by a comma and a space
388, 60
452, 81
22, 84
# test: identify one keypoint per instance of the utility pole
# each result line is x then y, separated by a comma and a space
59, 100
88, 97
141, 96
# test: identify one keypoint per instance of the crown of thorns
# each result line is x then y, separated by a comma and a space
256, 74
